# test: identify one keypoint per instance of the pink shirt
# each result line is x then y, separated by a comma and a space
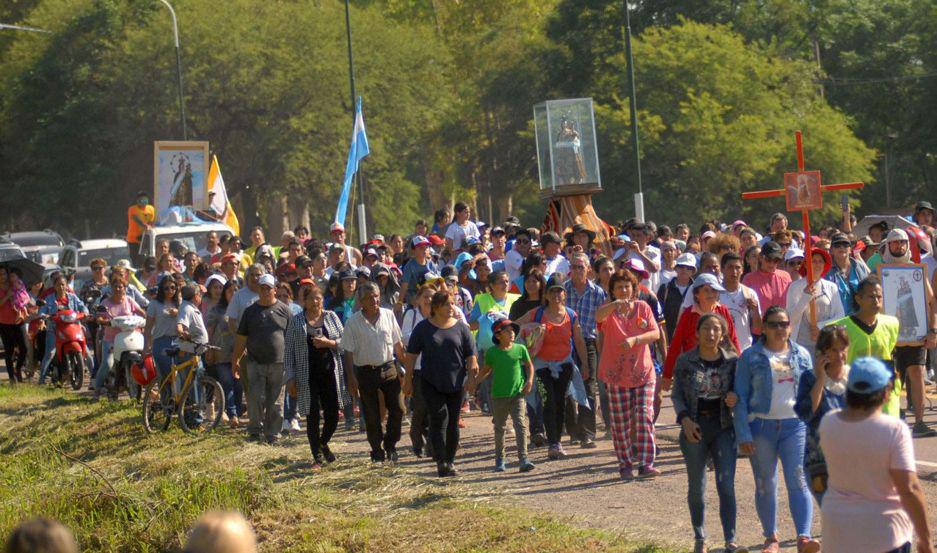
861, 509
621, 366
128, 307
770, 287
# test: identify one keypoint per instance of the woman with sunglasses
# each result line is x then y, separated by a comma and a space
768, 429
161, 318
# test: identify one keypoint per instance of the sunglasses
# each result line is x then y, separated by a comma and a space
578, 267
784, 244
97, 268
778, 324
522, 241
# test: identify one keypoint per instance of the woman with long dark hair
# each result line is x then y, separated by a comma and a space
160, 329
768, 429
532, 295
218, 362
703, 399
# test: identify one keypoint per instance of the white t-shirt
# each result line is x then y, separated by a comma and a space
652, 253
736, 303
512, 264
558, 264
861, 509
666, 275
458, 234
783, 387
410, 319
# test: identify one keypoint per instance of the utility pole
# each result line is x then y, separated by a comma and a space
175, 30
362, 215
635, 141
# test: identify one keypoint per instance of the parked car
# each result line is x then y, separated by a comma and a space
77, 255
9, 250
194, 236
42, 246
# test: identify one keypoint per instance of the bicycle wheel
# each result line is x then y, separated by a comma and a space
156, 415
203, 415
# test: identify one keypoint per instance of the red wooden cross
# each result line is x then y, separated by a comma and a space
805, 199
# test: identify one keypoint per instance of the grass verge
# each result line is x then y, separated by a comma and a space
93, 467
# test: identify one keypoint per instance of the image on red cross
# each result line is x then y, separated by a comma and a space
803, 191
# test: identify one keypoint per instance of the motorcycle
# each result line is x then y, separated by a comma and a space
126, 352
68, 359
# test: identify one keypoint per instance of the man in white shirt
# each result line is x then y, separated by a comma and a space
514, 259
741, 301
461, 229
649, 255
370, 339
244, 297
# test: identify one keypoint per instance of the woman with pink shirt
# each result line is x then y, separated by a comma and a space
628, 327
874, 502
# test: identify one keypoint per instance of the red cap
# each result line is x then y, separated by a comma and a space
435, 240
307, 282
229, 257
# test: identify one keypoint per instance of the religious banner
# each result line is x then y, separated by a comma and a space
803, 190
905, 297
180, 170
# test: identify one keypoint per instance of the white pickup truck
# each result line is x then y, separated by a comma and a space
194, 236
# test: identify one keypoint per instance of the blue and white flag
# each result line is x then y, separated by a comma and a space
357, 152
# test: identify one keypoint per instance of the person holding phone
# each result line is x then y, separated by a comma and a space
703, 399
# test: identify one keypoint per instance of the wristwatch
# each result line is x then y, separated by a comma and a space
932, 330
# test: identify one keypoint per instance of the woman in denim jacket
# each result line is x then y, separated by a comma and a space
703, 399
767, 428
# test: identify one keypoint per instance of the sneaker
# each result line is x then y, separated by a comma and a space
452, 470
327, 453
648, 473
500, 466
771, 546
526, 466
921, 430
561, 452
294, 425
285, 427
807, 545
573, 441
732, 547
442, 469
554, 453
465, 407
392, 455
700, 547
377, 456
588, 443
626, 474
538, 440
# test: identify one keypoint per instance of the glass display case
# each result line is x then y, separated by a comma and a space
567, 156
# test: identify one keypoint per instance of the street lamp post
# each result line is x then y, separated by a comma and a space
635, 143
362, 216
175, 30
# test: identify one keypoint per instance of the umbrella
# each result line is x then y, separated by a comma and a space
31, 271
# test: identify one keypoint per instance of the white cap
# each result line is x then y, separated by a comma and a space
267, 280
896, 235
337, 226
687, 260
793, 253
215, 277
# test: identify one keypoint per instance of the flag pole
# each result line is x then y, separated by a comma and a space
362, 215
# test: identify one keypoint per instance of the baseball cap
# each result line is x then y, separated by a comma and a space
840, 238
707, 279
377, 238
419, 241
555, 281
739, 223
512, 220
337, 226
336, 247
707, 234
436, 240
771, 250
229, 257
371, 251
793, 253
267, 280
306, 282
304, 261
347, 274
867, 375
496, 231
637, 266
380, 269
500, 325
449, 272
896, 235
686, 260
363, 272
430, 277
215, 278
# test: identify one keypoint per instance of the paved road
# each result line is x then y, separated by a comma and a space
585, 489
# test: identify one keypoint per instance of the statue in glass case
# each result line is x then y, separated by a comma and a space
568, 161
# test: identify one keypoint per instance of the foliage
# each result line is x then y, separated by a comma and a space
93, 467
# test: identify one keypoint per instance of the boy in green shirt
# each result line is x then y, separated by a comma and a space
512, 379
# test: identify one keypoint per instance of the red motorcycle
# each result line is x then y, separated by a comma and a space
70, 348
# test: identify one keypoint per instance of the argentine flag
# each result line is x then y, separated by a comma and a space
357, 152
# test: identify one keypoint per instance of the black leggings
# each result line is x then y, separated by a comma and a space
443, 409
554, 406
322, 395
13, 338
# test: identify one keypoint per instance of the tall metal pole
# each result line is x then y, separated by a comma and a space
175, 30
362, 218
635, 142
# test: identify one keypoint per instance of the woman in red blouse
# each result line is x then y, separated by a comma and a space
705, 290
628, 327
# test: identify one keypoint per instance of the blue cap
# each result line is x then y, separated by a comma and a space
707, 279
867, 375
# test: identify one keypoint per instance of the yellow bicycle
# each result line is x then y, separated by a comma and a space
199, 402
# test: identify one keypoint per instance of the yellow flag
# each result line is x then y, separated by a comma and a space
218, 197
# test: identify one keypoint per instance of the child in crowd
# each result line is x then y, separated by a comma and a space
512, 380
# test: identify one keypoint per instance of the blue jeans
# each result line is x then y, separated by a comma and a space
233, 390
718, 443
107, 359
289, 407
49, 355
780, 439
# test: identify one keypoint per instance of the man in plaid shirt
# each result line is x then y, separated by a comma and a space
584, 296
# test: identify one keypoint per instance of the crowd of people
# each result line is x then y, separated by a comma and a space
559, 333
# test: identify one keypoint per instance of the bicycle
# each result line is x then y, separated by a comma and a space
159, 402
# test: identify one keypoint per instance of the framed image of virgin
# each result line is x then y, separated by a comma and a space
905, 297
802, 190
180, 170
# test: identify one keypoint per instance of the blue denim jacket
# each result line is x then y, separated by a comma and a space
753, 383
